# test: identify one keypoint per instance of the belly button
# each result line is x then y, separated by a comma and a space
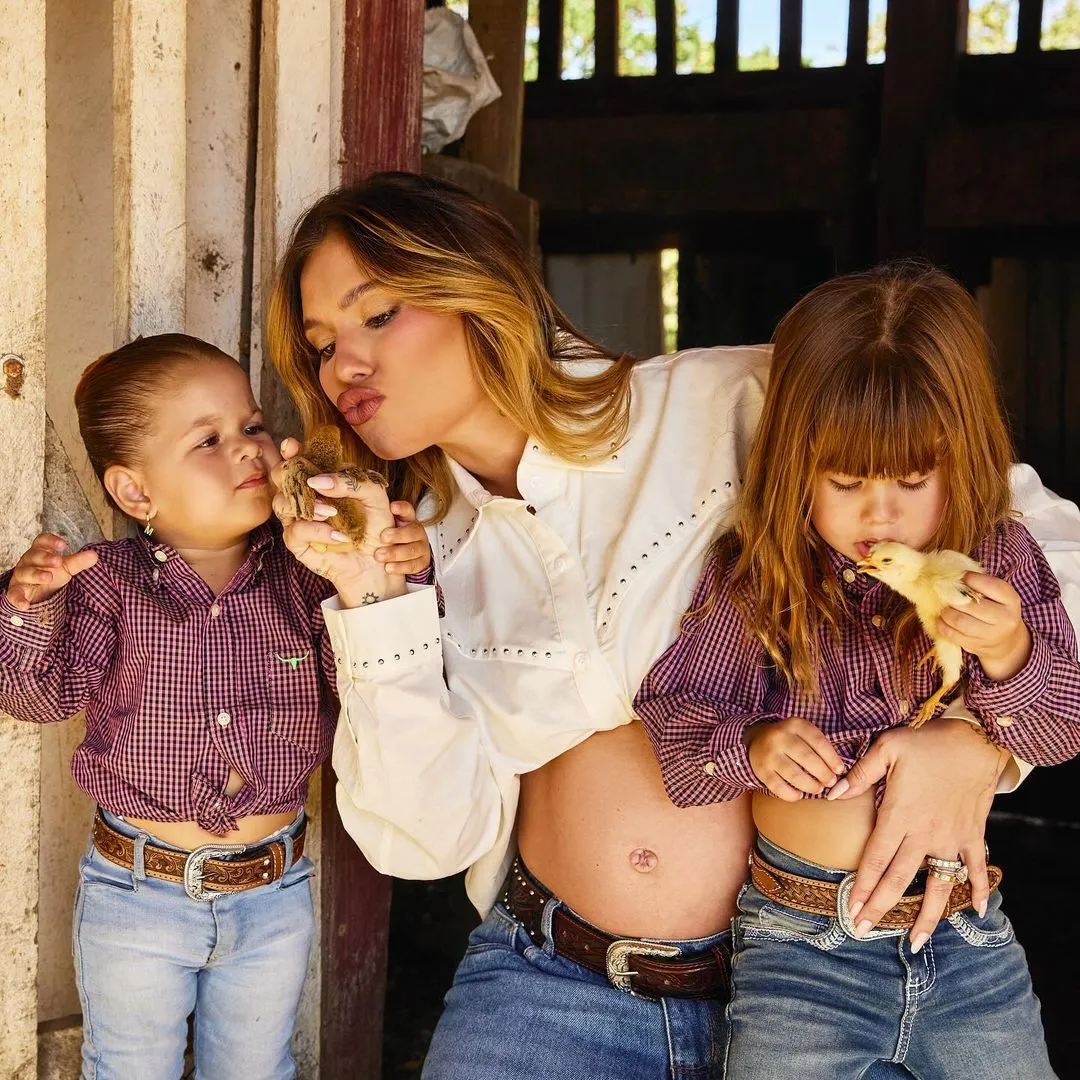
643, 860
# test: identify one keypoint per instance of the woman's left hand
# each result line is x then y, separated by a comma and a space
940, 784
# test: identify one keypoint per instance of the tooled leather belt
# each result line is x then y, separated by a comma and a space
647, 969
202, 872
821, 897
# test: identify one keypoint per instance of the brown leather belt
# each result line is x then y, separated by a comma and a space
821, 897
647, 969
202, 872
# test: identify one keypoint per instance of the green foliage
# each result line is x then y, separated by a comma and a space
1063, 29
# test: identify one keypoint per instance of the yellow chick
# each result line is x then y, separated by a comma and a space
322, 453
932, 581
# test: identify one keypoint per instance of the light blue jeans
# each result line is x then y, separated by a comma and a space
810, 1002
519, 1011
147, 956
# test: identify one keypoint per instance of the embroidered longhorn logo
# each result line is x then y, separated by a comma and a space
293, 661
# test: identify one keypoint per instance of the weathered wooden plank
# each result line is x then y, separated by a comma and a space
219, 89
925, 40
22, 448
549, 47
383, 69
149, 172
493, 138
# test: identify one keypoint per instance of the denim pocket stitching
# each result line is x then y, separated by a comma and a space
982, 939
824, 940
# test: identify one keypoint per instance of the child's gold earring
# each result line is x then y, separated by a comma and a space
148, 528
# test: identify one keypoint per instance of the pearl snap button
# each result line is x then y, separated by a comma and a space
849, 575
160, 556
710, 768
16, 620
223, 719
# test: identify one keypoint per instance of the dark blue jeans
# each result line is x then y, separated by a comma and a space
518, 1011
810, 1002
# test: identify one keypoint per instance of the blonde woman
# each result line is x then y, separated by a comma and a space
571, 496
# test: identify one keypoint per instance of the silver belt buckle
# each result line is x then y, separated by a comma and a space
617, 963
193, 867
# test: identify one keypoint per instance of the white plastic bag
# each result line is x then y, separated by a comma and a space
457, 80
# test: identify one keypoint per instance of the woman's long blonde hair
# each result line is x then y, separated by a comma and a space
437, 247
878, 374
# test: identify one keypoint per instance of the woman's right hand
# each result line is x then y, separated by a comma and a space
357, 575
44, 570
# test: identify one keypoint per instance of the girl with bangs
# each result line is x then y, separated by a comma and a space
880, 423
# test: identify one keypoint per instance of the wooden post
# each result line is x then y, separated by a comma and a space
149, 170
858, 32
1029, 26
493, 137
790, 35
606, 38
549, 47
727, 35
22, 447
925, 39
381, 82
665, 37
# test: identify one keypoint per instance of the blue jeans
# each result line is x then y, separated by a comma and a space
147, 956
810, 1002
519, 1011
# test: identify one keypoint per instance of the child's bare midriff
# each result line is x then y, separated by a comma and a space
830, 834
190, 834
596, 826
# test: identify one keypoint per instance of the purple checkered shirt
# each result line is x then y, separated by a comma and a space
716, 680
179, 685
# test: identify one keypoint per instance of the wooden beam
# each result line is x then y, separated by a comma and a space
925, 41
665, 37
606, 38
790, 34
383, 71
858, 31
22, 447
550, 45
493, 137
1029, 27
727, 36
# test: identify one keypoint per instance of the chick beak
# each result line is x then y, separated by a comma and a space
867, 566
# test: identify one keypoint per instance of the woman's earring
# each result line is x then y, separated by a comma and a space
148, 528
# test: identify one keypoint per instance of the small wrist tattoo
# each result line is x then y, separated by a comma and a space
369, 598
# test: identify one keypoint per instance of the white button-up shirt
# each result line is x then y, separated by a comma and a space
556, 605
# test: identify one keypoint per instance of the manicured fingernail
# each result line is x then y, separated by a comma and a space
339, 537
919, 940
838, 789
321, 483
854, 909
325, 510
981, 909
863, 928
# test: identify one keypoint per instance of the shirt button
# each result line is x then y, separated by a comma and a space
160, 556
849, 575
903, 706
16, 620
1004, 721
581, 660
878, 621
710, 768
560, 564
223, 719
215, 610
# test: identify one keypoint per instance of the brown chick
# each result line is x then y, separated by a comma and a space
932, 581
322, 453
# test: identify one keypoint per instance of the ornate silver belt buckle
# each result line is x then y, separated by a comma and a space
619, 952
193, 867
